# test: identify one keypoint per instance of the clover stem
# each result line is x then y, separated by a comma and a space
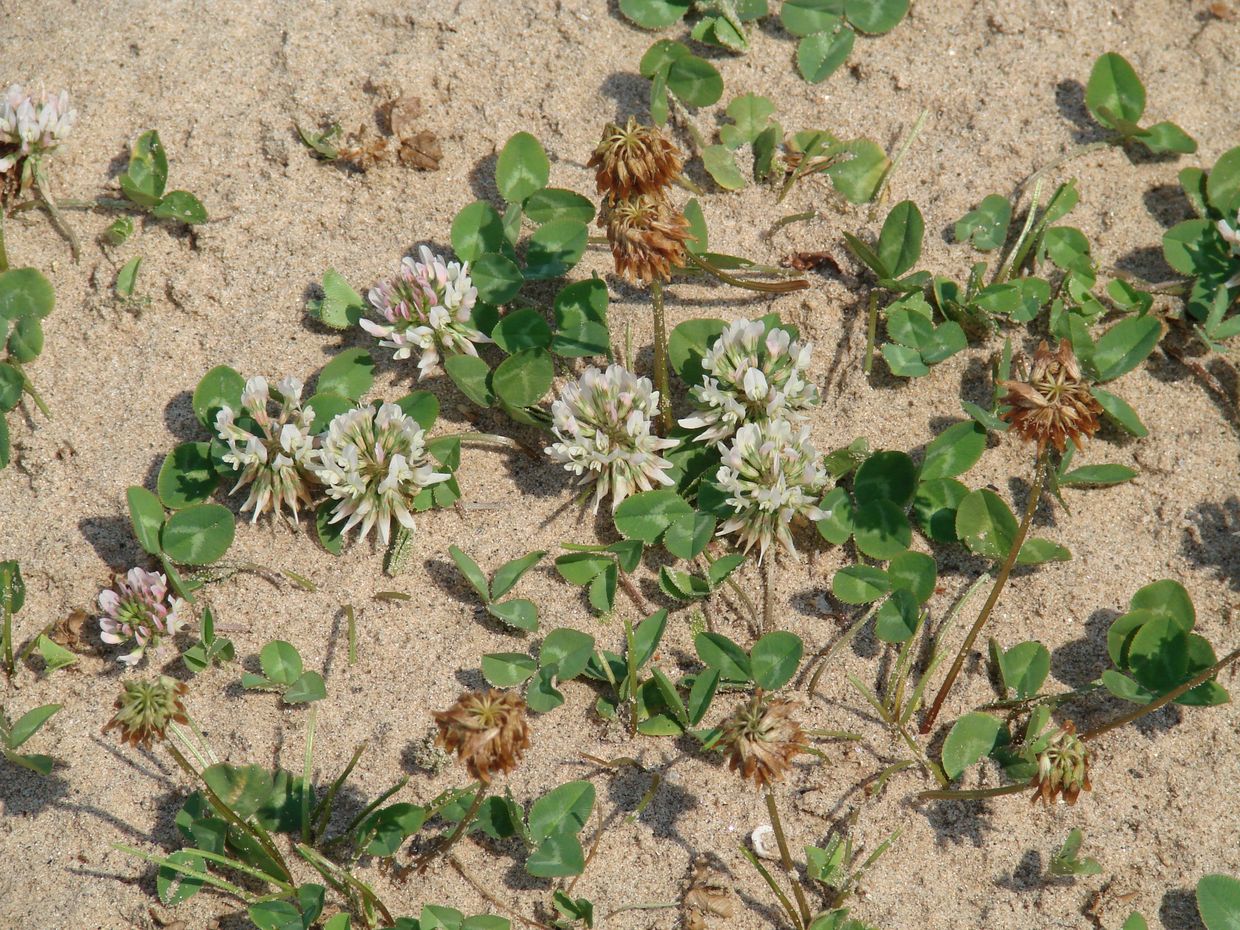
442, 848
40, 182
1008, 564
766, 287
188, 744
840, 643
740, 592
1165, 699
662, 382
871, 332
28, 387
786, 857
975, 795
311, 725
4, 255
768, 596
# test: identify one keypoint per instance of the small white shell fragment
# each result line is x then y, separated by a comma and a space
763, 841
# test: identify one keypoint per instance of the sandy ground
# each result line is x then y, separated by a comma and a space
1002, 83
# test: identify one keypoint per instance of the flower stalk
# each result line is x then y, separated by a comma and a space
785, 857
1005, 571
662, 377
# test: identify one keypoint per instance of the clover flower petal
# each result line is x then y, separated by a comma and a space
428, 306
138, 609
772, 474
273, 454
31, 125
373, 464
604, 427
751, 375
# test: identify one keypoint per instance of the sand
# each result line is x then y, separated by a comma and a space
223, 82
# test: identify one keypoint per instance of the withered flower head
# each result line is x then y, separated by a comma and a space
1054, 404
1063, 767
634, 160
647, 237
487, 730
145, 708
761, 738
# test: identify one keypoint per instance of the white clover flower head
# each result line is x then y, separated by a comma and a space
1231, 235
751, 375
604, 426
772, 474
274, 454
137, 607
428, 307
374, 463
32, 125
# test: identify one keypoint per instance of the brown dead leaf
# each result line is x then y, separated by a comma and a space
403, 112
810, 261
707, 895
71, 632
422, 151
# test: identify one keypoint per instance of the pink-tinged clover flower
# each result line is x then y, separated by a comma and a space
32, 125
138, 608
603, 424
272, 453
428, 307
373, 464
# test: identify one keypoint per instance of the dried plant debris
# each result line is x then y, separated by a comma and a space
708, 894
366, 148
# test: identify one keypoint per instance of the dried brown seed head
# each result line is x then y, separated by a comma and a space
1053, 404
634, 160
487, 730
146, 708
1063, 767
647, 237
761, 738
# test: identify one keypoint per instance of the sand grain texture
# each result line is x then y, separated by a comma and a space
223, 82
